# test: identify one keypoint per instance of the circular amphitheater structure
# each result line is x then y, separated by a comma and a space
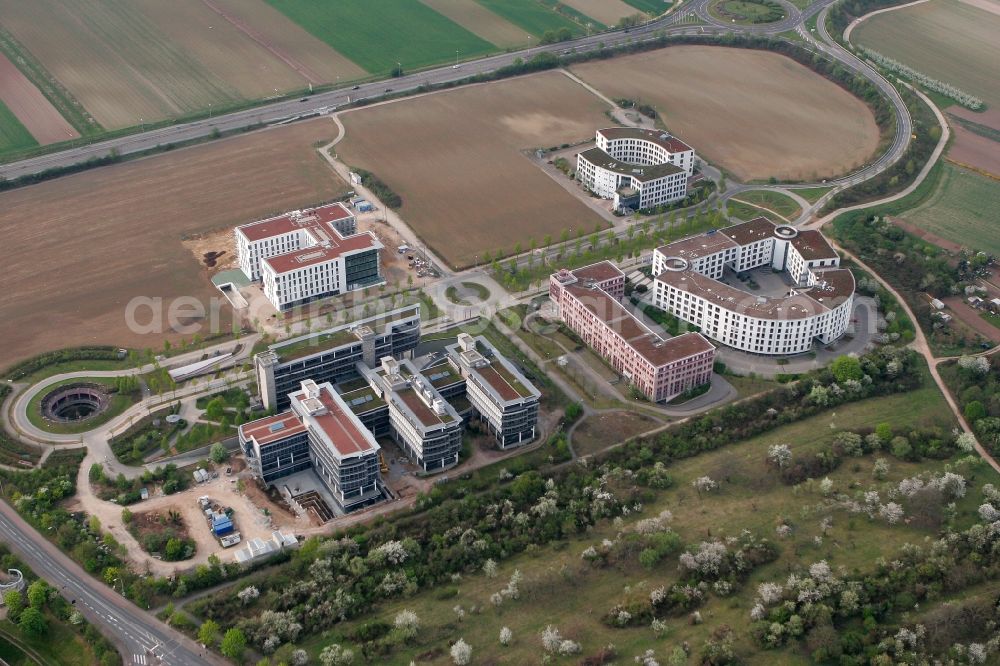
75, 403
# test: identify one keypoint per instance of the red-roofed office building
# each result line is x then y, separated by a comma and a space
306, 255
320, 432
661, 369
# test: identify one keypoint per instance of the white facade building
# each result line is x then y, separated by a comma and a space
818, 306
303, 256
636, 168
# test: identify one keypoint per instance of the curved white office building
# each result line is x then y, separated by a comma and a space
817, 306
636, 168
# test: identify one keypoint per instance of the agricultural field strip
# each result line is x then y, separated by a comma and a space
531, 15
30, 106
968, 62
378, 35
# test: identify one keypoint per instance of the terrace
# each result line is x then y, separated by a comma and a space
362, 400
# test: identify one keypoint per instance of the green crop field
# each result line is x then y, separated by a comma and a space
531, 15
377, 35
957, 43
652, 7
962, 209
13, 135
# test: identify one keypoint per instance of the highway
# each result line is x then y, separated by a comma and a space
141, 638
135, 631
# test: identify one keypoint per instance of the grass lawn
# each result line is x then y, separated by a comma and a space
746, 212
118, 403
13, 135
961, 209
377, 35
597, 432
992, 318
531, 15
59, 646
812, 194
745, 12
559, 588
651, 7
85, 365
747, 386
773, 201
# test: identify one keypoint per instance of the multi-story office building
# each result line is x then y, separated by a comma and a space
816, 307
332, 355
303, 256
318, 431
424, 424
636, 168
506, 402
660, 368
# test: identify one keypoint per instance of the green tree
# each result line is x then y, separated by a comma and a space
32, 623
208, 633
974, 411
215, 409
38, 593
233, 644
14, 601
174, 550
847, 367
219, 453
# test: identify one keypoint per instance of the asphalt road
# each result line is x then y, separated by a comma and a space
136, 631
138, 634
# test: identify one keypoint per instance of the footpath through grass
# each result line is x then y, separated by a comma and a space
378, 35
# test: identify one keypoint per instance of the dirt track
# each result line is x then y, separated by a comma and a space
77, 249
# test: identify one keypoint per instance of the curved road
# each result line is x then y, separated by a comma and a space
138, 632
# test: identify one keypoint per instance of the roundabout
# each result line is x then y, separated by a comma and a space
748, 12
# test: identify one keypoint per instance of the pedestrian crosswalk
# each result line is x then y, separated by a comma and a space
139, 659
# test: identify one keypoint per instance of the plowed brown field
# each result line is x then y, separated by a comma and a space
77, 249
755, 113
456, 159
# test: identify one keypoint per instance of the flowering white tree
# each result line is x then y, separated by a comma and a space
300, 658
820, 571
407, 622
391, 551
780, 455
783, 530
490, 568
706, 559
506, 636
966, 442
461, 653
567, 647
647, 658
891, 512
704, 484
988, 512
826, 486
880, 469
335, 655
551, 638
248, 594
979, 365
769, 593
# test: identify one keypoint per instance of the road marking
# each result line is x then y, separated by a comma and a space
139, 659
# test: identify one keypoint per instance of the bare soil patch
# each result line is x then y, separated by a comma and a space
152, 529
76, 250
755, 113
477, 19
31, 107
971, 318
456, 159
974, 151
599, 431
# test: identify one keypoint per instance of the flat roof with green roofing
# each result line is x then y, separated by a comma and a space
362, 400
442, 373
640, 172
339, 336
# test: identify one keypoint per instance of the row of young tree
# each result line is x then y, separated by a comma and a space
455, 531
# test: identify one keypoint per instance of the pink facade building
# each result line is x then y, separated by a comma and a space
589, 302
